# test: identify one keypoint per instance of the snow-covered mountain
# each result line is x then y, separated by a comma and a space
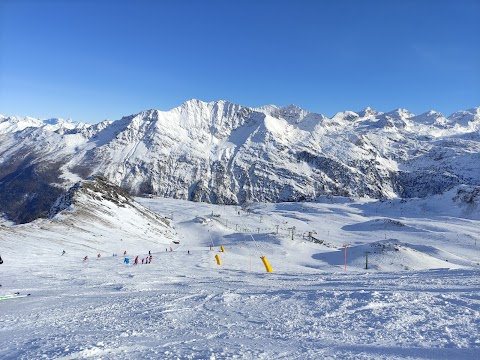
222, 152
17, 123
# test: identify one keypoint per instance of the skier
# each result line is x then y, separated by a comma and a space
126, 261
125, 253
143, 260
188, 252
149, 253
150, 259
136, 260
63, 252
1, 261
85, 258
98, 256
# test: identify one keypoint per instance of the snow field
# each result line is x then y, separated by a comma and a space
410, 304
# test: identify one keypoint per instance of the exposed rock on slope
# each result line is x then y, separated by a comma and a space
97, 188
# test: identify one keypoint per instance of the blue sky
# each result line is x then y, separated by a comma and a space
92, 60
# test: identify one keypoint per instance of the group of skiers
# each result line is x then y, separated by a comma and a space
145, 260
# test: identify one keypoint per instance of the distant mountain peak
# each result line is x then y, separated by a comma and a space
400, 113
345, 116
368, 111
292, 108
470, 117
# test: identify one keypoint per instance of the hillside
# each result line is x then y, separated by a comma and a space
83, 218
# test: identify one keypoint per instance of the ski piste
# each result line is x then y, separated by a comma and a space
16, 295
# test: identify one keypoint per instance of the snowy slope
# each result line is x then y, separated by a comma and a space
418, 299
81, 221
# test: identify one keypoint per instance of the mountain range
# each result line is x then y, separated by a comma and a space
225, 153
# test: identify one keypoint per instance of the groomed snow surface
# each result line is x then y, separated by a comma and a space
418, 299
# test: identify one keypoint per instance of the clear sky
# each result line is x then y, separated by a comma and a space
91, 60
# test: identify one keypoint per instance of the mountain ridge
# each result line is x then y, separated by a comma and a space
291, 108
221, 152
